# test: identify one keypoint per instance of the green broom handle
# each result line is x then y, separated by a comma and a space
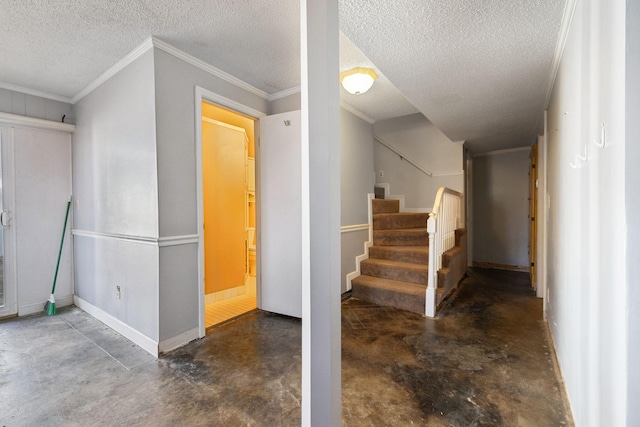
64, 230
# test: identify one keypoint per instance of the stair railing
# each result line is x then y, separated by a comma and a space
443, 221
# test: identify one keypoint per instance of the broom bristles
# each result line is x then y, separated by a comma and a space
50, 306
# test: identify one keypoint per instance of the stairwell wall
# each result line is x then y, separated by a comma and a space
421, 141
356, 182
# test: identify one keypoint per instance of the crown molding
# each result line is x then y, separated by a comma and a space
567, 18
284, 93
208, 68
128, 59
34, 92
356, 112
165, 47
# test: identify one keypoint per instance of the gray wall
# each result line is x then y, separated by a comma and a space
175, 82
588, 279
115, 193
34, 106
500, 208
286, 104
418, 139
356, 181
632, 198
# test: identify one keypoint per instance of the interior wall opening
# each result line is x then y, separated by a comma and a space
229, 198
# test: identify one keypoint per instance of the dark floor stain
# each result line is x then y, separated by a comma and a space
485, 361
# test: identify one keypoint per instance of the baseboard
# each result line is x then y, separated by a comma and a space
508, 267
120, 327
37, 307
178, 341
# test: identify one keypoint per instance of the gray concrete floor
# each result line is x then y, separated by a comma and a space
486, 361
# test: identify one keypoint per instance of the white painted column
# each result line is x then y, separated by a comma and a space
321, 364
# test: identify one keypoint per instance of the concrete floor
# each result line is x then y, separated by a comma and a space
486, 361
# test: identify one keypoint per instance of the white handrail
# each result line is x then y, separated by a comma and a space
443, 221
403, 156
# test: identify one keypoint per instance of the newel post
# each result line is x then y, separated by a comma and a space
430, 303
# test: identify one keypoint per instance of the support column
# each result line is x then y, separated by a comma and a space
321, 355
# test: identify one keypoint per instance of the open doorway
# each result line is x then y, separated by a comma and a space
228, 191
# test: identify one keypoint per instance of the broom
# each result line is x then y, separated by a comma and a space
50, 305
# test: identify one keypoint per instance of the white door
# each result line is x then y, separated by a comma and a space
8, 294
279, 193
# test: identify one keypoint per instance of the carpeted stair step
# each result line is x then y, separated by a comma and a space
387, 221
385, 206
395, 270
392, 293
401, 237
415, 254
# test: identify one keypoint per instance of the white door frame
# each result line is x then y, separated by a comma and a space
202, 94
10, 289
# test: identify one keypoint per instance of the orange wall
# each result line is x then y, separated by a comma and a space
231, 117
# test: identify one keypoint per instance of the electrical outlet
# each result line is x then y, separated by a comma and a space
77, 204
381, 174
118, 294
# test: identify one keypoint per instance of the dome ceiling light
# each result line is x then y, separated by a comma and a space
358, 80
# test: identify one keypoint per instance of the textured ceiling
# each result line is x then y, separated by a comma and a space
478, 69
61, 46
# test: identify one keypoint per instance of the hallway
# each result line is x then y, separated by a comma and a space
485, 361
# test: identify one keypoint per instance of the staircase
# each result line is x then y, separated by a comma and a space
396, 272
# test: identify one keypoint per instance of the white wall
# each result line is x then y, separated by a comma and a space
587, 275
34, 106
500, 208
425, 144
632, 201
175, 82
356, 181
116, 197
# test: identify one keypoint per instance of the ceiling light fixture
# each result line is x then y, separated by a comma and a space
358, 80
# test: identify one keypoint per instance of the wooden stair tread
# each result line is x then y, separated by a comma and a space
420, 248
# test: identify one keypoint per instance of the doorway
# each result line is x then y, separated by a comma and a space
533, 208
229, 196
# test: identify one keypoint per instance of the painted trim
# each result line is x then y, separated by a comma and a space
202, 94
353, 228
506, 151
208, 68
367, 244
449, 173
187, 239
118, 66
31, 122
179, 340
356, 112
34, 92
567, 18
284, 93
117, 325
496, 266
38, 307
98, 235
